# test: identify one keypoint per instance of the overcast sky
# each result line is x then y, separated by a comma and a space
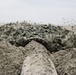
45, 11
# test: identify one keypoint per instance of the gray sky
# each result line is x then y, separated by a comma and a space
45, 11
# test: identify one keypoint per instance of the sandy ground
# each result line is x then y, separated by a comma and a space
11, 59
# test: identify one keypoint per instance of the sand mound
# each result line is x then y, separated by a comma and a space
66, 61
11, 59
